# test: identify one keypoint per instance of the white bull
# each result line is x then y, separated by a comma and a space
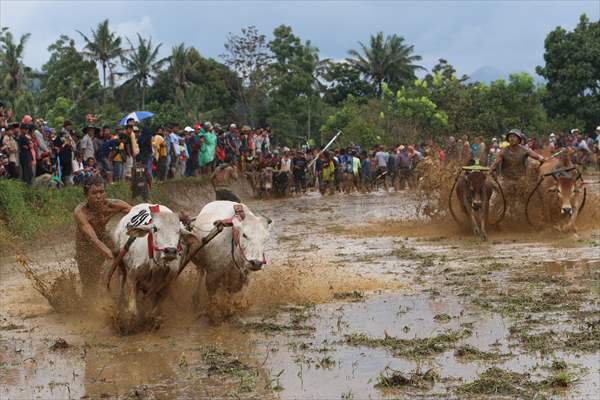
238, 249
152, 260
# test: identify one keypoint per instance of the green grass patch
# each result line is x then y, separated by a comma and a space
469, 353
29, 213
390, 379
229, 368
411, 348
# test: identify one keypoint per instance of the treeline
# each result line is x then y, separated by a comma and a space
373, 95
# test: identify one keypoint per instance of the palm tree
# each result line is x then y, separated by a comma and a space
11, 61
180, 68
142, 64
386, 60
103, 47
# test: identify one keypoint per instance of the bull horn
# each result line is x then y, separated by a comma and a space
529, 198
503, 199
450, 197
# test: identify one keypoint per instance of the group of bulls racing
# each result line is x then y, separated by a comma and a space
151, 244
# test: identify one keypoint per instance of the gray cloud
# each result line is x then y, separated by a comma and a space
506, 35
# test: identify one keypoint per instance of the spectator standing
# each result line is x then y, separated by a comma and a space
159, 145
173, 150
207, 153
26, 152
86, 145
299, 164
10, 148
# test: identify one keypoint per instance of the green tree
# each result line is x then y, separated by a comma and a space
69, 75
248, 56
572, 69
142, 63
60, 110
344, 80
200, 86
167, 112
103, 47
13, 73
385, 60
358, 123
180, 67
295, 104
414, 116
513, 104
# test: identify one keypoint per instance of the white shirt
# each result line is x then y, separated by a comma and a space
77, 166
286, 165
174, 138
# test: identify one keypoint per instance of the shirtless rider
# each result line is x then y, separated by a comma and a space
92, 242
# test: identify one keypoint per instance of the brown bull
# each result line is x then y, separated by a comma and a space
474, 190
561, 191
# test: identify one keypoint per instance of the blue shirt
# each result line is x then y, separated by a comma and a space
107, 147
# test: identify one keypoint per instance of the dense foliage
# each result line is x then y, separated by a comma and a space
373, 96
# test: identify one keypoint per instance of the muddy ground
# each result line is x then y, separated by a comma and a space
359, 300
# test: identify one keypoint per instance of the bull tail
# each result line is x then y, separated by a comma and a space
450, 197
529, 199
583, 201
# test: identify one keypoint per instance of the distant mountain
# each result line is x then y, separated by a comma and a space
488, 74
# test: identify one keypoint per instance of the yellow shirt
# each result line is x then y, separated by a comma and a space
160, 148
328, 171
120, 149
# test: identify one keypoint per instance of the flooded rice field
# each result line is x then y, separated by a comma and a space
359, 300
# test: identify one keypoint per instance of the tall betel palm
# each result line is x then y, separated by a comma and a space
386, 60
12, 69
142, 64
103, 47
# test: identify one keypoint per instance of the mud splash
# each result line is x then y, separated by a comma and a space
61, 293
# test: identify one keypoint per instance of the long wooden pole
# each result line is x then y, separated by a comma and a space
323, 150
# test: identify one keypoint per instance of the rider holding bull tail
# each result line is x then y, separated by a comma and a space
91, 241
512, 159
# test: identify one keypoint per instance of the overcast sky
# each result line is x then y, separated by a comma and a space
505, 35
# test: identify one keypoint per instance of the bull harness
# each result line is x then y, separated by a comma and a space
556, 174
219, 225
476, 168
152, 247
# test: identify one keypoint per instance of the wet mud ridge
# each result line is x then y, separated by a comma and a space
359, 300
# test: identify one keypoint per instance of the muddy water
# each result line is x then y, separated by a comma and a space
331, 274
